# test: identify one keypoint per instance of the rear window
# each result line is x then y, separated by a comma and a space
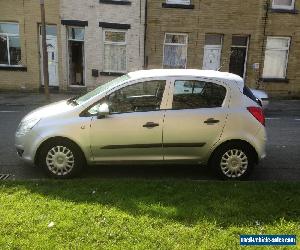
247, 92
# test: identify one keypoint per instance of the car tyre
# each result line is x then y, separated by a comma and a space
233, 161
61, 159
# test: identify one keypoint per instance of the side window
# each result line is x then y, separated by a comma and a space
190, 94
139, 97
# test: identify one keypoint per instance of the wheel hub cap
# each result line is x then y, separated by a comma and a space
234, 163
60, 160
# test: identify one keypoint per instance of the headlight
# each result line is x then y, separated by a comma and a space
26, 125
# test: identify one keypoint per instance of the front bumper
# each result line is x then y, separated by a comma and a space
27, 145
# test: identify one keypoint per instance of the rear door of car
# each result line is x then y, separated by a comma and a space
195, 118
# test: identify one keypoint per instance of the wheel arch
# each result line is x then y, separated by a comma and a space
53, 139
235, 141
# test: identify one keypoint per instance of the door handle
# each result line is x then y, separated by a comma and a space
211, 121
150, 125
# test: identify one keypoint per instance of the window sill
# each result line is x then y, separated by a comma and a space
279, 80
103, 73
115, 2
178, 6
292, 11
13, 68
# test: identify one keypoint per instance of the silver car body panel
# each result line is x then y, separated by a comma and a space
181, 134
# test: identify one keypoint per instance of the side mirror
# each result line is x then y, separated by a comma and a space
103, 110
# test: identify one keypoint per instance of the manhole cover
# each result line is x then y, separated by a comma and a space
4, 176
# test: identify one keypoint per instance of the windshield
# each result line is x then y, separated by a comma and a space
102, 89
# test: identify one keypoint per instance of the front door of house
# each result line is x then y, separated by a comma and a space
212, 56
51, 40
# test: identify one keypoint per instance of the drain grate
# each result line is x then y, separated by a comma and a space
4, 176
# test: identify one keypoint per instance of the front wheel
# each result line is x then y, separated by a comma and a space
61, 159
233, 161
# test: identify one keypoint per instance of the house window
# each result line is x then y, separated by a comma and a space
10, 48
175, 51
238, 55
115, 51
276, 57
283, 4
187, 2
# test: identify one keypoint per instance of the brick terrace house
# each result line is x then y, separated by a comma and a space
20, 44
258, 40
101, 39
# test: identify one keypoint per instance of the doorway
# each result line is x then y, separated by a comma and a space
212, 52
51, 41
238, 55
76, 56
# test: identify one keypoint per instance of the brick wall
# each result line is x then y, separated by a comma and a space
27, 14
227, 17
94, 12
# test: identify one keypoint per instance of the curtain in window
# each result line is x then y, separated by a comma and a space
275, 63
174, 56
114, 58
3, 50
283, 2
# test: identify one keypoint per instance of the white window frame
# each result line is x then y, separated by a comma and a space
176, 44
114, 43
10, 35
183, 2
283, 7
283, 49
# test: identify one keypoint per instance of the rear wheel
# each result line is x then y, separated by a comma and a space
61, 159
233, 161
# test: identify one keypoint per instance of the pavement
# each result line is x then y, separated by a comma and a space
283, 146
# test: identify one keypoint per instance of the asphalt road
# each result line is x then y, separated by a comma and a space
282, 162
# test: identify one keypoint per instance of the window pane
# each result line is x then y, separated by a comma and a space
275, 64
11, 28
111, 36
14, 50
213, 39
76, 33
114, 58
146, 96
3, 50
174, 56
51, 30
277, 43
171, 38
239, 40
283, 2
179, 1
195, 94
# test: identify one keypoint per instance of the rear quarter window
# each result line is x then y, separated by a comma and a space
191, 94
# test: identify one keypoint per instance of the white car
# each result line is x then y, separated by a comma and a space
158, 116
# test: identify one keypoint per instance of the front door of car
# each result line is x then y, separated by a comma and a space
195, 119
133, 129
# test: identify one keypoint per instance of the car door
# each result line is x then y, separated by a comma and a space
195, 119
133, 129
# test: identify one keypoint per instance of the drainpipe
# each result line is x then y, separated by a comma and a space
265, 24
145, 34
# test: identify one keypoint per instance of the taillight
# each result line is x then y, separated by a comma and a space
258, 114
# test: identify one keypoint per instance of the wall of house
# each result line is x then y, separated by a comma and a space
94, 11
226, 17
27, 14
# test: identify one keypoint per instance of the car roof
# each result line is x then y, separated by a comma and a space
188, 72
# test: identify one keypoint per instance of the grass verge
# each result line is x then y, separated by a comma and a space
143, 214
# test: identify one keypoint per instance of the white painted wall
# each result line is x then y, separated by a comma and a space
95, 12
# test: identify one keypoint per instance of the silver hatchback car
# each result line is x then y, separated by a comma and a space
149, 116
